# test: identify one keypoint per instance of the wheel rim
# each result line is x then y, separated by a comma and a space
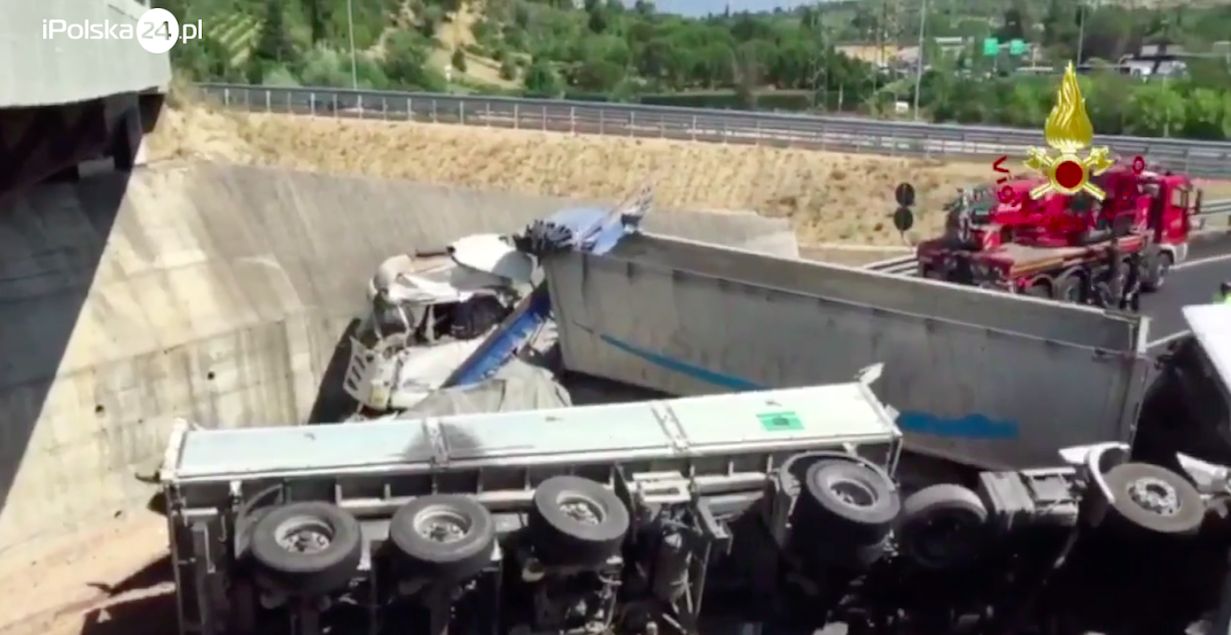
581, 509
441, 524
304, 534
1155, 496
851, 493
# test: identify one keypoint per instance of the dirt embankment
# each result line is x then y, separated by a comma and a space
827, 196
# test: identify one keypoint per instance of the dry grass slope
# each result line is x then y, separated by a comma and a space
829, 197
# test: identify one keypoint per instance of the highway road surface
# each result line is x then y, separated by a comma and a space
1192, 282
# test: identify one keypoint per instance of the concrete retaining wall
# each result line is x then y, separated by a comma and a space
216, 293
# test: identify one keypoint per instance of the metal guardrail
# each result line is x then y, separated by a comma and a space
1210, 210
1199, 158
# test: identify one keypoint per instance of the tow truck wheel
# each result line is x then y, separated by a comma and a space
1155, 499
1157, 266
576, 521
443, 537
847, 499
1038, 290
309, 548
942, 526
1071, 289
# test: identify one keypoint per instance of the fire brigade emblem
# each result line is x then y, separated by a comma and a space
1068, 131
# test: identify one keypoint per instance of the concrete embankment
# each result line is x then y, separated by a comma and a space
215, 293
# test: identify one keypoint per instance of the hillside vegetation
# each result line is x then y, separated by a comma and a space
604, 50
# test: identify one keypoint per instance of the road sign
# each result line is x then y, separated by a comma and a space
1017, 47
991, 47
904, 194
903, 219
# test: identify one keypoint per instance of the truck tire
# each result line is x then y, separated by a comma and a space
444, 538
942, 527
1071, 288
309, 548
1154, 499
846, 500
576, 521
1157, 266
1039, 290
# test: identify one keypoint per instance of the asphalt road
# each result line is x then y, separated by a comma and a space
1192, 282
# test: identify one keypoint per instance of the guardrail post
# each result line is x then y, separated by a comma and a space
757, 131
461, 111
487, 113
822, 135
632, 123
226, 96
268, 97
724, 132
543, 112
335, 106
434, 110
410, 109
359, 103
572, 119
601, 124
516, 116
384, 107
288, 101
1188, 155
693, 130
312, 103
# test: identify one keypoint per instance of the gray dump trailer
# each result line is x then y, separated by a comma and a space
984, 378
529, 522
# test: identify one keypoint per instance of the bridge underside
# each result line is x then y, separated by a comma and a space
41, 142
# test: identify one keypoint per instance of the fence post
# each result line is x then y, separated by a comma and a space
461, 111
268, 97
410, 109
516, 116
359, 103
312, 103
433, 110
822, 134
226, 96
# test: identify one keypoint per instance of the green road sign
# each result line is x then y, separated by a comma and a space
991, 47
1017, 47
780, 421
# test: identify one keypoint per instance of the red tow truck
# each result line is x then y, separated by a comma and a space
1058, 245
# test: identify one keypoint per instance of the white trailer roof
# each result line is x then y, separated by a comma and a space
1211, 325
799, 418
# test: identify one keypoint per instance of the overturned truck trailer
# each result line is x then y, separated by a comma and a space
528, 522
995, 380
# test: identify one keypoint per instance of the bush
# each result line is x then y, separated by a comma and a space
508, 70
458, 60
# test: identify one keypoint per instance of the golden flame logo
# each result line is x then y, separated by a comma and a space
1068, 131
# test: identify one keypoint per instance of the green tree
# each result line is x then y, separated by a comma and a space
542, 80
458, 60
405, 63
598, 20
1207, 114
1154, 110
508, 70
274, 42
